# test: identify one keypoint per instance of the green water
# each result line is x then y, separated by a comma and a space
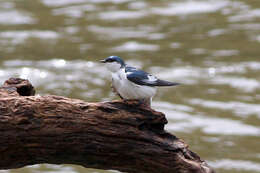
212, 47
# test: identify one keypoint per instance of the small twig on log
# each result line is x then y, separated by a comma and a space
109, 135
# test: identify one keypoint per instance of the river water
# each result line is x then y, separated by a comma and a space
212, 47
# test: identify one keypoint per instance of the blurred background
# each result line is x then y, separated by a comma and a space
212, 47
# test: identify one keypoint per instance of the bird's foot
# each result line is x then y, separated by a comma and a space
137, 102
145, 102
130, 101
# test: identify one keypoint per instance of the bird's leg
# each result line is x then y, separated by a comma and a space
146, 102
138, 102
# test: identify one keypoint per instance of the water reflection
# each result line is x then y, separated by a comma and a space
238, 165
18, 37
188, 121
15, 18
239, 108
75, 11
191, 7
134, 46
124, 32
60, 75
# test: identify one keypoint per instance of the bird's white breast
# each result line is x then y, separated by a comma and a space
130, 90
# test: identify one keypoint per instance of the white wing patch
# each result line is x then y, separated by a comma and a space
152, 78
129, 72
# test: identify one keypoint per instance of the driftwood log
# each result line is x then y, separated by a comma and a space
110, 135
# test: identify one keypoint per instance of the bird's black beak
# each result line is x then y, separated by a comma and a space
102, 61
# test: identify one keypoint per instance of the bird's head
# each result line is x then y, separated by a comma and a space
113, 63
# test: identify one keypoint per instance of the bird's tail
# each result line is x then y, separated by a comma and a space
160, 82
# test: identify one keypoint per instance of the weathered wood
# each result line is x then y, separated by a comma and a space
110, 135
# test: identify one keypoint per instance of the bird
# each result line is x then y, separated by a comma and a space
130, 83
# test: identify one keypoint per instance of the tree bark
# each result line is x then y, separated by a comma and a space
128, 137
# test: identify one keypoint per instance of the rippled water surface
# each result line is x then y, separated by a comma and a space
212, 47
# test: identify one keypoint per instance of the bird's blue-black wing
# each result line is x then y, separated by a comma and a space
143, 78
139, 77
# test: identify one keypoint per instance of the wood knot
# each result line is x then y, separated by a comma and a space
23, 86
